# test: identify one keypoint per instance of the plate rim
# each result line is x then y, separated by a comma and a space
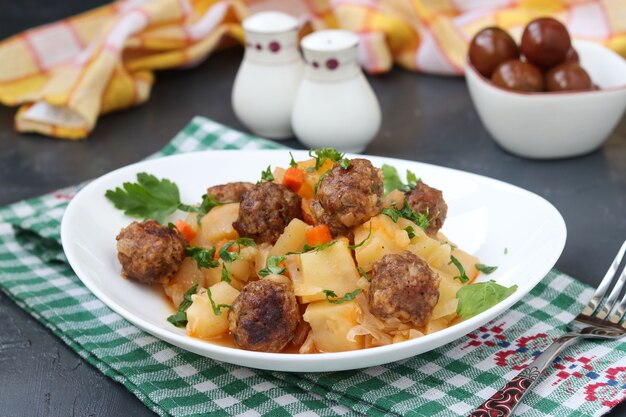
208, 349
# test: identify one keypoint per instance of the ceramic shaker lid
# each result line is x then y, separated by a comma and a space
270, 22
331, 55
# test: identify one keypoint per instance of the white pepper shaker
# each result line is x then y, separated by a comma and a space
269, 75
335, 105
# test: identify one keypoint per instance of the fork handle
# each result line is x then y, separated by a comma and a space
503, 402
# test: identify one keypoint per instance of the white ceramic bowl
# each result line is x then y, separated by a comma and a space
555, 125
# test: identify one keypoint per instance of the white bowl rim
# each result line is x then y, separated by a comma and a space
484, 81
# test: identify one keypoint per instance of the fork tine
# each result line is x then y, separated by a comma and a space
592, 306
620, 310
610, 302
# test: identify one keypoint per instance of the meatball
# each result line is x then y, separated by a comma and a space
232, 191
265, 210
348, 197
265, 316
149, 252
403, 287
425, 199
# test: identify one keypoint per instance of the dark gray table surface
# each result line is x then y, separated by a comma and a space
425, 118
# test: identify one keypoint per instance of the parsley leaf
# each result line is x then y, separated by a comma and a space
217, 309
293, 162
420, 219
364, 274
462, 276
347, 296
267, 174
318, 247
153, 198
478, 297
179, 319
486, 269
410, 231
148, 198
273, 266
229, 257
392, 181
202, 256
358, 245
321, 155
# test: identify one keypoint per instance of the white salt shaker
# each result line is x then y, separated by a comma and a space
335, 105
269, 75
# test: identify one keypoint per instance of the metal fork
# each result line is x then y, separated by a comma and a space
602, 318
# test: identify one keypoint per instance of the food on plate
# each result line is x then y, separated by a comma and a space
149, 252
491, 47
329, 254
548, 62
265, 210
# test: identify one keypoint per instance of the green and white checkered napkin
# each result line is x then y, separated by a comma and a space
451, 380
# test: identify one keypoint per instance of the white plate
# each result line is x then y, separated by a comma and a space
486, 218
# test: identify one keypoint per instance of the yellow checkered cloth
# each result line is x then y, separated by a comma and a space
65, 74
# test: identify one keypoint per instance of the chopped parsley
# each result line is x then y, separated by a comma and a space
347, 296
217, 308
153, 198
358, 245
273, 266
324, 154
392, 181
315, 248
410, 231
204, 257
179, 319
420, 219
462, 276
486, 269
293, 162
364, 274
229, 257
267, 175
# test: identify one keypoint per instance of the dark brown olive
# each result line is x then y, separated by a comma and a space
518, 75
572, 56
491, 47
545, 43
568, 76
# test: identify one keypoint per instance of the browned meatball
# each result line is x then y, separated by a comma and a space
265, 210
264, 317
403, 287
150, 252
425, 199
348, 197
229, 192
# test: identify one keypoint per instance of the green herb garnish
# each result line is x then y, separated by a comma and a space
217, 308
358, 245
321, 155
179, 319
486, 269
293, 162
152, 198
267, 174
347, 297
478, 297
392, 181
420, 219
410, 231
229, 257
273, 266
202, 256
462, 276
364, 274
315, 248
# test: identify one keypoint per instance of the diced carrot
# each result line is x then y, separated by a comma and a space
185, 230
318, 235
306, 190
293, 178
